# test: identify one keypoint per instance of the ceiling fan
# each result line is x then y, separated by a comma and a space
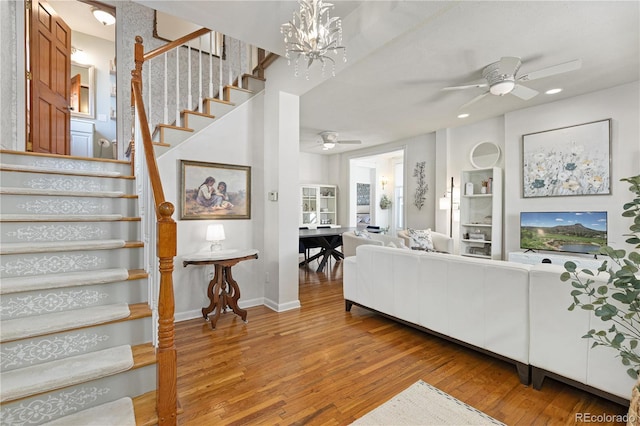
501, 78
330, 139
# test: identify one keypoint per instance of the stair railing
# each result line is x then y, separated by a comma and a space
167, 395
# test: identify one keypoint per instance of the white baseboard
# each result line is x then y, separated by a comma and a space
243, 304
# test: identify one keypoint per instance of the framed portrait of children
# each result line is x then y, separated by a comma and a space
214, 191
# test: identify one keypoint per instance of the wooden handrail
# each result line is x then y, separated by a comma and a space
166, 355
178, 42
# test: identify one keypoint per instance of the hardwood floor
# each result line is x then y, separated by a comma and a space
320, 365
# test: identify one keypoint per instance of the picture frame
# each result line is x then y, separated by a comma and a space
567, 161
201, 199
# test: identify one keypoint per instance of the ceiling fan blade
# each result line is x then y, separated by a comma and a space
350, 142
523, 92
474, 100
476, 83
553, 70
509, 65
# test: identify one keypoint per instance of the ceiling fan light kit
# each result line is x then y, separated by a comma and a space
330, 139
501, 78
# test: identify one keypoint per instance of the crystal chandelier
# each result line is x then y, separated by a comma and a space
313, 34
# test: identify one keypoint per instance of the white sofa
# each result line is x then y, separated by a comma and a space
513, 311
350, 241
557, 349
483, 303
441, 242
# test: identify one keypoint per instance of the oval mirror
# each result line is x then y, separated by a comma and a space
484, 155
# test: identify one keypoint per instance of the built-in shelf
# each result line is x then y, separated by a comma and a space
481, 213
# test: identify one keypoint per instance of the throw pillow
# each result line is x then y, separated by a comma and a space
421, 238
363, 234
391, 244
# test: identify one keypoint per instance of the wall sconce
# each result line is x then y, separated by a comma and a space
104, 17
215, 234
384, 180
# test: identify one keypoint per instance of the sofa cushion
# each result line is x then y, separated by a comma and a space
363, 234
421, 238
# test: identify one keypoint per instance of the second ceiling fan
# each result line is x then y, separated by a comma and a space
502, 78
330, 139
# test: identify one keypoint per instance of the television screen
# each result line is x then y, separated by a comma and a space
575, 232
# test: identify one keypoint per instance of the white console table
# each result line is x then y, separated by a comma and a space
532, 258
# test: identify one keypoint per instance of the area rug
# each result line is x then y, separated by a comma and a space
422, 404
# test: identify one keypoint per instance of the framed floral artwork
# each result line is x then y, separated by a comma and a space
573, 160
215, 191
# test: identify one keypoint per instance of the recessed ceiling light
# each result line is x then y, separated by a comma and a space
465, 115
553, 91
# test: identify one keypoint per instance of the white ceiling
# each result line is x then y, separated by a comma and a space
79, 18
402, 53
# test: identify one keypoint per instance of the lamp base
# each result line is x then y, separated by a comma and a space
216, 246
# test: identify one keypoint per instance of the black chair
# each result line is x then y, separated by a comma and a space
373, 229
306, 244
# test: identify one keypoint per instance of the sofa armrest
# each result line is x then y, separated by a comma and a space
350, 242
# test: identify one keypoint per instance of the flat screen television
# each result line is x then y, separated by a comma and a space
573, 232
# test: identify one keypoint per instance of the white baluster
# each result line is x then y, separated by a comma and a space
149, 103
220, 90
166, 91
211, 64
200, 74
229, 63
189, 97
177, 85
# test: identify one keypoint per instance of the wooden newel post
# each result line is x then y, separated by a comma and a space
167, 400
136, 75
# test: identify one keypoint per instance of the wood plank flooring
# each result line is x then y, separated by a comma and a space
320, 365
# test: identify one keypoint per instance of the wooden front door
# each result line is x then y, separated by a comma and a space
50, 63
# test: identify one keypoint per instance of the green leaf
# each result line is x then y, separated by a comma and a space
570, 266
603, 289
565, 276
619, 338
587, 307
576, 293
633, 373
634, 256
572, 307
633, 344
588, 272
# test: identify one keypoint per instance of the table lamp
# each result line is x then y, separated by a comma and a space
215, 234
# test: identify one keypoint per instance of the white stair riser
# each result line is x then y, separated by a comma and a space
254, 85
19, 305
38, 350
197, 122
175, 136
19, 265
55, 205
61, 182
239, 96
65, 164
159, 150
49, 406
24, 232
219, 109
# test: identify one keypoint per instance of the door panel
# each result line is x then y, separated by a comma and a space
50, 68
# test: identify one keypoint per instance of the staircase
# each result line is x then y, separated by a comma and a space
169, 136
76, 332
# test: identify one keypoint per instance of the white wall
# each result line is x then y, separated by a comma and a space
237, 137
621, 104
315, 168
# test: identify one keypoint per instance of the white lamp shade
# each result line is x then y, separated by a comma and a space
444, 203
215, 232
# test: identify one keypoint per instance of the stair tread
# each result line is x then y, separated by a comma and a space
66, 157
22, 168
145, 409
171, 126
201, 114
65, 372
222, 101
238, 88
49, 192
21, 328
115, 413
62, 218
55, 246
67, 279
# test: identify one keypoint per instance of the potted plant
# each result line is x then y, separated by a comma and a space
618, 302
385, 202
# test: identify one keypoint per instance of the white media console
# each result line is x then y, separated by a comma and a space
533, 258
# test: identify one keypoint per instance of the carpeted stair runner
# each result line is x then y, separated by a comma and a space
116, 413
59, 218
69, 279
36, 191
56, 246
65, 372
21, 328
25, 168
